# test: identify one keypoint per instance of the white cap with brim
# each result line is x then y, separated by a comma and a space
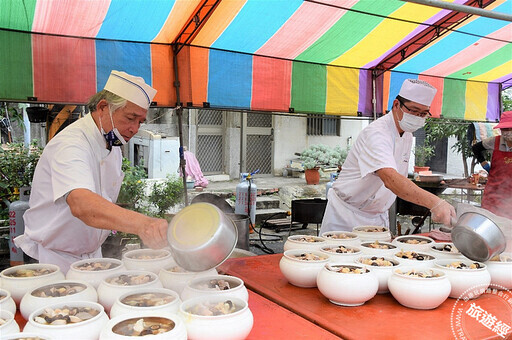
418, 91
131, 88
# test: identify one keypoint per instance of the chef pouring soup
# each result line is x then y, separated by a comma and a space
78, 178
375, 171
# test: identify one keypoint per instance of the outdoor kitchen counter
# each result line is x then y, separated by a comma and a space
271, 321
380, 318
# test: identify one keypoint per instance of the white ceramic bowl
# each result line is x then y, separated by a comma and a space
446, 250
305, 242
84, 330
200, 287
338, 253
109, 292
501, 271
378, 248
24, 335
341, 237
404, 243
383, 272
347, 289
419, 292
417, 260
6, 301
18, 286
94, 277
121, 307
32, 301
178, 332
148, 259
469, 283
299, 272
232, 326
10, 326
176, 278
370, 233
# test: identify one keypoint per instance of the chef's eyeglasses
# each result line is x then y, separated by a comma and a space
416, 113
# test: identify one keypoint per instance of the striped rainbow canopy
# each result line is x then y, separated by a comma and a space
337, 57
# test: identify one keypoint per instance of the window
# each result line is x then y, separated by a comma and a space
322, 126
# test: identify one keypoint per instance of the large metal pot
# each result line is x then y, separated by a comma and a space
201, 237
242, 226
477, 237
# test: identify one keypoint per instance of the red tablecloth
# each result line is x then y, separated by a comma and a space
271, 321
380, 318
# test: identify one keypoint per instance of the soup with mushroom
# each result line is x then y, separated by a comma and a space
148, 255
57, 290
130, 279
310, 257
30, 272
347, 269
216, 284
97, 266
147, 299
65, 315
214, 309
150, 325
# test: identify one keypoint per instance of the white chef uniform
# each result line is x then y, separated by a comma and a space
359, 196
75, 158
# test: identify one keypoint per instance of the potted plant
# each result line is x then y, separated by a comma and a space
422, 154
316, 156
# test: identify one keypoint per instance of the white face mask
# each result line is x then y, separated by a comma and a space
410, 122
113, 137
507, 135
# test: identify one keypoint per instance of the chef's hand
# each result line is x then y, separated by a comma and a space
443, 212
154, 234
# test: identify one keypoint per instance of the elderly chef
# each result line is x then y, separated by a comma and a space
375, 171
78, 177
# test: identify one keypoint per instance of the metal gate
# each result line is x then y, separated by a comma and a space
210, 141
257, 143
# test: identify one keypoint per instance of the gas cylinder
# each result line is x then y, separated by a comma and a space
329, 184
16, 224
245, 203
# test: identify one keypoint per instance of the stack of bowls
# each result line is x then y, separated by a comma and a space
57, 292
128, 281
423, 288
223, 285
217, 317
94, 270
301, 267
146, 301
148, 259
20, 279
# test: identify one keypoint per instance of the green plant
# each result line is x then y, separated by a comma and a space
322, 155
166, 194
132, 188
437, 129
17, 166
423, 153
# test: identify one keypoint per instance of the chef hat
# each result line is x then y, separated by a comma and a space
131, 88
505, 120
418, 91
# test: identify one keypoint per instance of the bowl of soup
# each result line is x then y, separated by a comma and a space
147, 300
94, 270
156, 326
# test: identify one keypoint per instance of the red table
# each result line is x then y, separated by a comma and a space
271, 321
380, 318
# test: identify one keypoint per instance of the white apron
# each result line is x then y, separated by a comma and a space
111, 179
339, 215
